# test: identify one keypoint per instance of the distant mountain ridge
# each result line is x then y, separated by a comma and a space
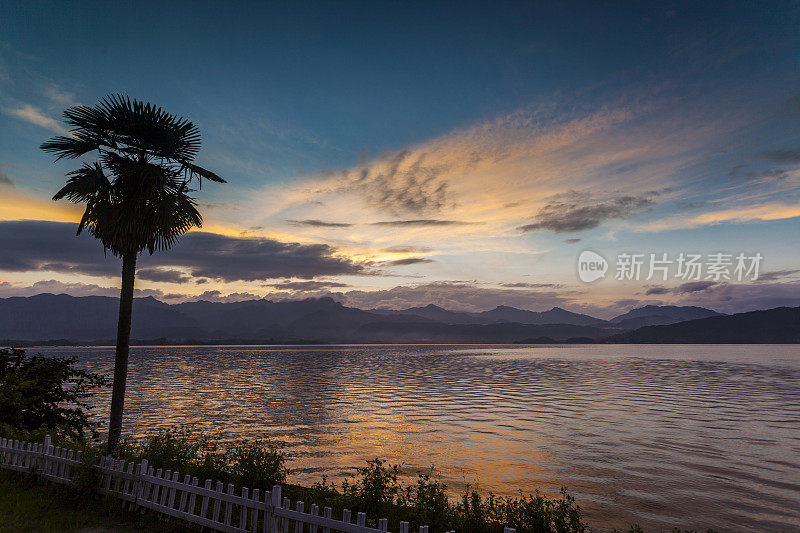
93, 319
772, 326
501, 313
656, 315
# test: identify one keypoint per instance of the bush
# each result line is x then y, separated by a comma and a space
373, 488
376, 491
427, 502
257, 464
253, 464
38, 393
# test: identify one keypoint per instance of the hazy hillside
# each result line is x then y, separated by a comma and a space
49, 316
779, 325
654, 315
94, 319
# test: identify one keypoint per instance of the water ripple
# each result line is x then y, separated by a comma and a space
688, 436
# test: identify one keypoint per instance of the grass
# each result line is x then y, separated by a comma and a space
28, 504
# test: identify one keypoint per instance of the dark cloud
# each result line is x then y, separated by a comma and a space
404, 182
778, 274
693, 286
162, 275
737, 171
522, 285
574, 211
571, 241
5, 181
405, 249
765, 175
52, 246
657, 290
421, 222
782, 156
409, 261
307, 285
319, 223
684, 288
211, 255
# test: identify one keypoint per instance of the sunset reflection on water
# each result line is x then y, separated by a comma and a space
689, 436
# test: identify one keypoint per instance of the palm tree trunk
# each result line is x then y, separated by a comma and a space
123, 347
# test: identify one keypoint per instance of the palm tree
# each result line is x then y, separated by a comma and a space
136, 193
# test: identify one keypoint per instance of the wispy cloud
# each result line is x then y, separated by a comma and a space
550, 167
782, 156
59, 96
405, 249
319, 223
306, 285
36, 116
774, 211
573, 211
421, 222
409, 261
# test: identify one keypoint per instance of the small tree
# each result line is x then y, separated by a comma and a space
45, 392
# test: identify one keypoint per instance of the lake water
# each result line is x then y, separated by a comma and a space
688, 436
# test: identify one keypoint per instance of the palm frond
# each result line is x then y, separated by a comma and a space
199, 172
85, 184
70, 147
148, 128
137, 195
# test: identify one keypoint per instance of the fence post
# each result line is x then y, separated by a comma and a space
140, 484
275, 502
45, 452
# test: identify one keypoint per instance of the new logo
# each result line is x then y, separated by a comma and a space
591, 266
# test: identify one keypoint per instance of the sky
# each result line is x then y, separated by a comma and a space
401, 154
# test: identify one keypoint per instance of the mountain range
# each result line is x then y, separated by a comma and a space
93, 320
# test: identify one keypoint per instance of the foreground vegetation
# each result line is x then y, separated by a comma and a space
27, 504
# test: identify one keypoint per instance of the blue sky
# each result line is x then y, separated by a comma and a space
648, 127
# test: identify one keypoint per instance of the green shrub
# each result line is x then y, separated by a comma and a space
254, 464
257, 464
87, 477
427, 502
39, 393
373, 488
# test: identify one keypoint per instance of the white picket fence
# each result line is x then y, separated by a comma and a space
214, 507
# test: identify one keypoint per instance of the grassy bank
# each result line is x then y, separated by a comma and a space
28, 504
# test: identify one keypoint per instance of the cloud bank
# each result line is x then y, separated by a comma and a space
52, 246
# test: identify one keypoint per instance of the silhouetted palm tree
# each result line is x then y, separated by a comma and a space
136, 195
